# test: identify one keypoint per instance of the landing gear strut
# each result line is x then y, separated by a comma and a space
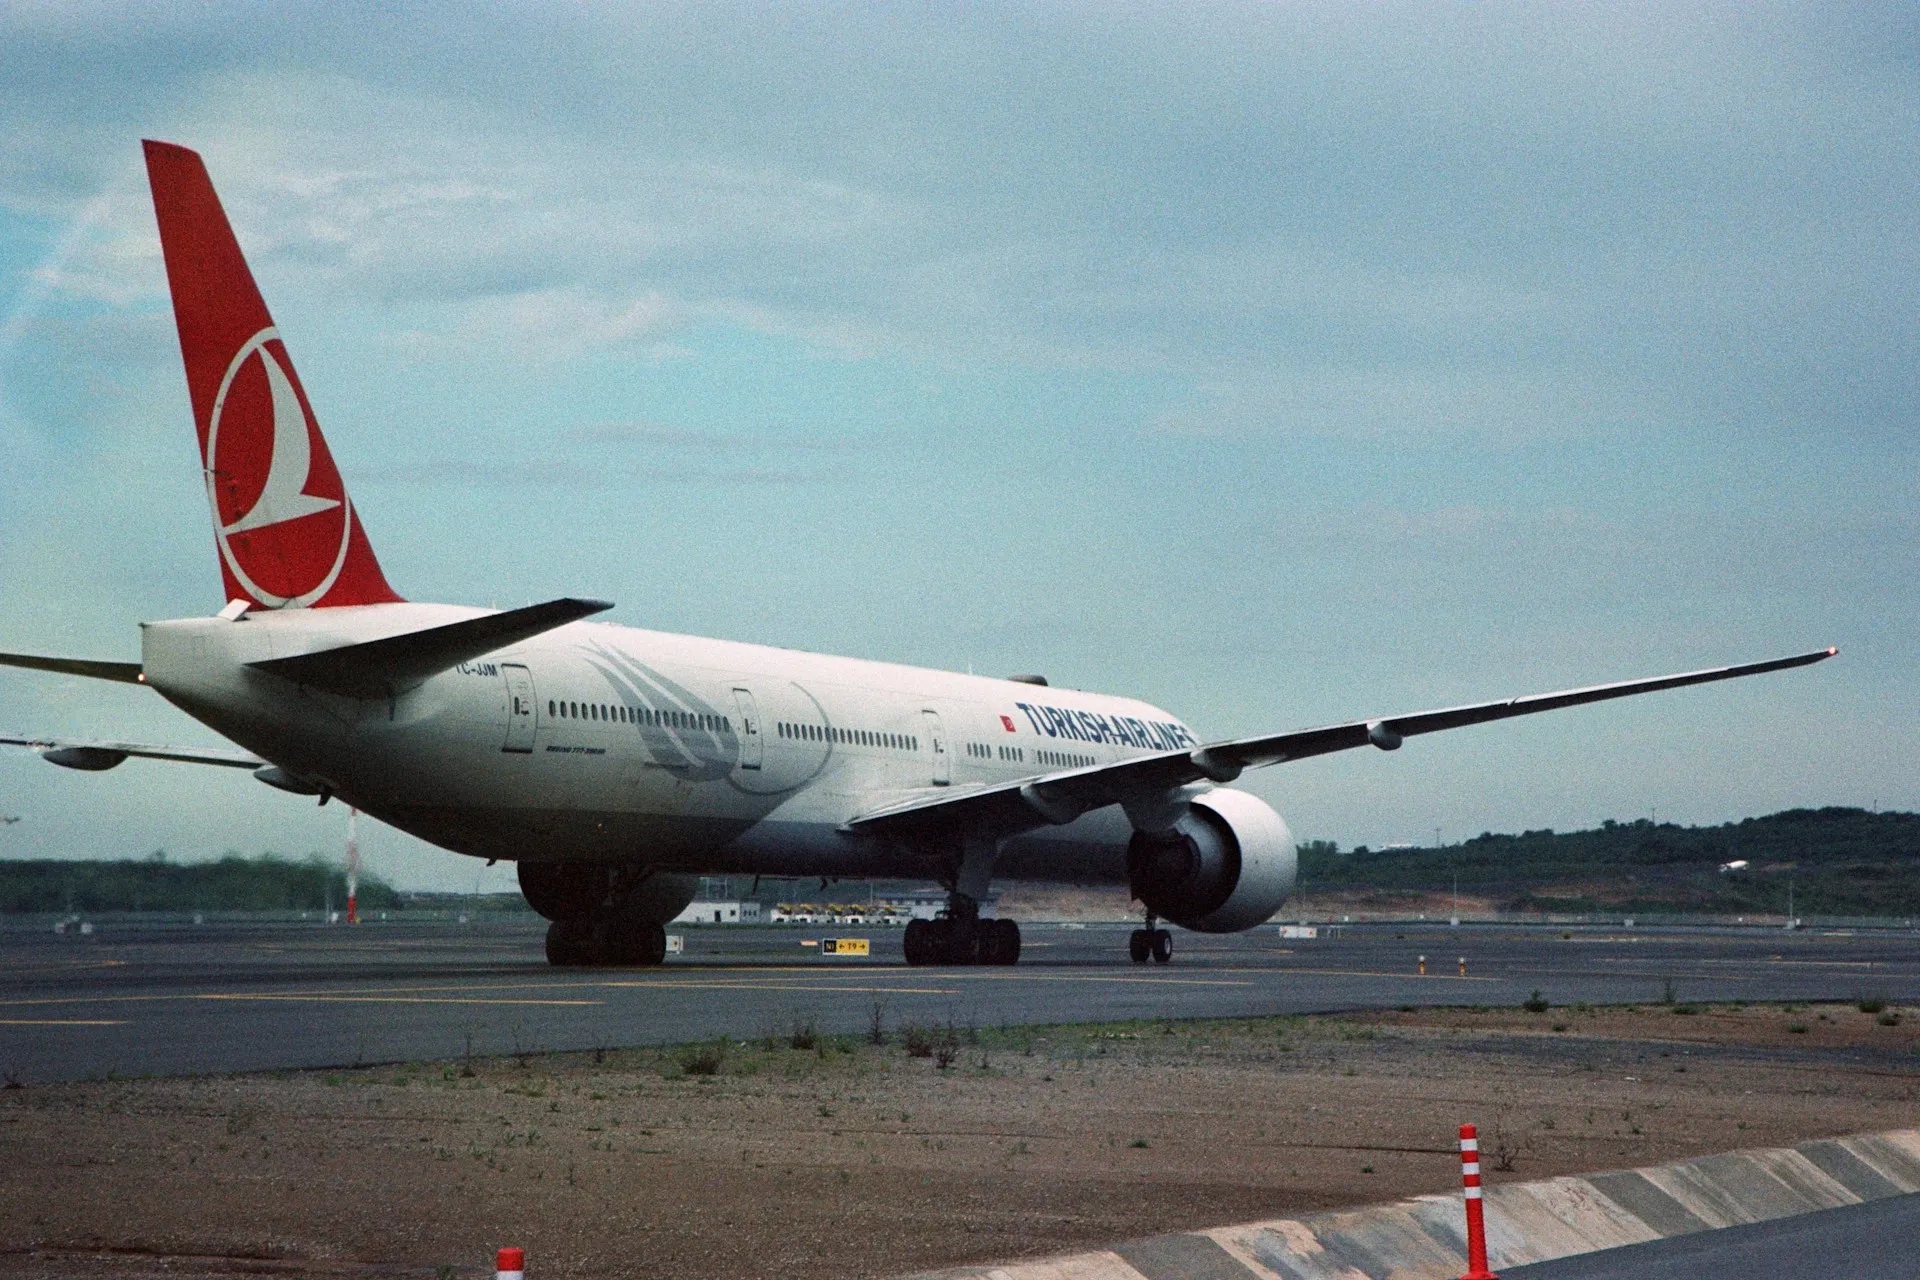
1150, 941
961, 937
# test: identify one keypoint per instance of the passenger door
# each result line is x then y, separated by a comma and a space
937, 745
748, 711
521, 712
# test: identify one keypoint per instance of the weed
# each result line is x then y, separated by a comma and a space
1872, 1004
946, 1048
1139, 1144
1796, 1028
803, 1037
1559, 1026
1686, 1010
1888, 1018
704, 1059
918, 1042
876, 1031
1505, 1148
1666, 991
1536, 1003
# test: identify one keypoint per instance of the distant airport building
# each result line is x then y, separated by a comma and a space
708, 911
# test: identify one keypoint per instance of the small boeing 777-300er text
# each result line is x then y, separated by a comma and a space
615, 766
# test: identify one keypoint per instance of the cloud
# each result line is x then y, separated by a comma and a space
652, 435
546, 474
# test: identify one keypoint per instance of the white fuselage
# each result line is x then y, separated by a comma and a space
603, 742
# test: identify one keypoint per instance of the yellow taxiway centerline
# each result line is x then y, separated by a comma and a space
784, 986
314, 998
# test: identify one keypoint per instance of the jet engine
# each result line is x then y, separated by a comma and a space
1225, 866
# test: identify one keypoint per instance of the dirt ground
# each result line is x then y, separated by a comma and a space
840, 1157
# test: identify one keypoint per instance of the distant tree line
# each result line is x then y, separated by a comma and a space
266, 883
1838, 861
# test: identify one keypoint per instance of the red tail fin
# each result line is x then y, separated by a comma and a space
286, 528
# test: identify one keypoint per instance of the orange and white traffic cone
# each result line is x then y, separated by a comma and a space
1476, 1216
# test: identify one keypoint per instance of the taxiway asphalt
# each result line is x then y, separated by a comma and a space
1871, 1241
137, 999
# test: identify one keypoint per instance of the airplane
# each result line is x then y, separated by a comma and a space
613, 765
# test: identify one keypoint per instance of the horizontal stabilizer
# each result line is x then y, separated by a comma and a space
125, 672
386, 667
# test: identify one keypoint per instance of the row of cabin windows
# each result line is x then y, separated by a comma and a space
849, 737
1064, 759
1012, 755
615, 713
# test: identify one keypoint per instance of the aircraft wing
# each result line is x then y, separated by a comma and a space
1025, 803
125, 672
78, 753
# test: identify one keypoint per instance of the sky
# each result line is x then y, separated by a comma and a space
1281, 364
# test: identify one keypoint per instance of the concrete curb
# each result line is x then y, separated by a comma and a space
1423, 1238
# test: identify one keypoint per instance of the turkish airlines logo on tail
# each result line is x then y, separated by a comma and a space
280, 510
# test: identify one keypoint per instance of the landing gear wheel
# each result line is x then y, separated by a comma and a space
917, 942
959, 941
570, 943
1162, 944
1140, 945
999, 942
636, 942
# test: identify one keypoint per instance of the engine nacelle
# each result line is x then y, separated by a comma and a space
1227, 865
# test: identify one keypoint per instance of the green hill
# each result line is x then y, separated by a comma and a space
1838, 862
267, 883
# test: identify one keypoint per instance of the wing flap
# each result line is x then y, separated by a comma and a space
384, 667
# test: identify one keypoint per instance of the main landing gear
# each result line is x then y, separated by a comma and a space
605, 939
962, 937
1151, 941
603, 914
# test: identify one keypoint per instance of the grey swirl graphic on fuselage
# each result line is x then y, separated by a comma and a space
686, 750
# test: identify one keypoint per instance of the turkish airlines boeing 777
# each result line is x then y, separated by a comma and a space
616, 765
